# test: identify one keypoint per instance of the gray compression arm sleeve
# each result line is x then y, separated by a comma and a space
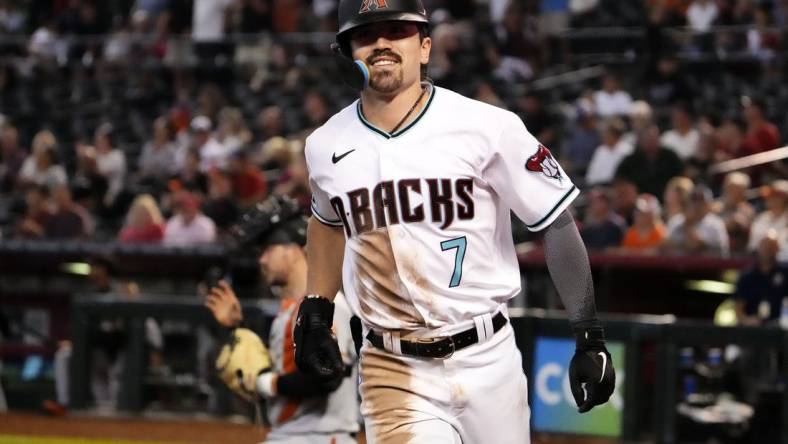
567, 262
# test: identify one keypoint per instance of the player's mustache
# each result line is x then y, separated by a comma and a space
383, 53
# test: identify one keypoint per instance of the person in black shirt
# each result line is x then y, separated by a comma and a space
651, 166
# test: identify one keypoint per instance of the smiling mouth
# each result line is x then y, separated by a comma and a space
384, 61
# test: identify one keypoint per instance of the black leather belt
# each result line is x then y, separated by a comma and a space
441, 346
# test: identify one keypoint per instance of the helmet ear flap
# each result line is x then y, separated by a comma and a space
354, 72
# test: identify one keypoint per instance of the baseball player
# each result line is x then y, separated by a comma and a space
412, 190
302, 409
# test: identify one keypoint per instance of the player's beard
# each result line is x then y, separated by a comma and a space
387, 81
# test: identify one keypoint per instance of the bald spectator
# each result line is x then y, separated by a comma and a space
189, 226
732, 207
775, 217
651, 166
648, 231
602, 227
698, 230
609, 154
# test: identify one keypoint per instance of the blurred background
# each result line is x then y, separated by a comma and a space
133, 133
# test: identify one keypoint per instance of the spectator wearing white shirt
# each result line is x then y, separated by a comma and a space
607, 156
41, 167
611, 100
701, 15
212, 153
189, 226
157, 160
697, 230
683, 137
111, 162
208, 18
774, 217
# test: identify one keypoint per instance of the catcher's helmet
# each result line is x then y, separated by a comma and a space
355, 13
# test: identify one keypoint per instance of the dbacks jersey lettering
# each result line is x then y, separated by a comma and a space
418, 208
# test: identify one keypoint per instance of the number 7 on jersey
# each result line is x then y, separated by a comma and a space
459, 243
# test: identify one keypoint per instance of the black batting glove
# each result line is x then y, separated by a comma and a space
591, 374
316, 349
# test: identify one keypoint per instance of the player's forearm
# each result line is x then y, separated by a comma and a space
325, 248
567, 262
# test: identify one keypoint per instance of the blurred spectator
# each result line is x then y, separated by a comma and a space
315, 109
701, 15
676, 196
763, 40
38, 211
698, 230
764, 285
761, 135
269, 124
609, 154
611, 100
69, 219
682, 138
276, 153
732, 207
45, 44
294, 181
775, 217
212, 153
668, 83
541, 122
641, 116
190, 177
88, 186
517, 45
189, 226
12, 18
12, 156
232, 132
730, 137
651, 166
157, 161
249, 185
42, 167
582, 141
625, 195
602, 227
110, 161
144, 223
208, 20
648, 231
221, 206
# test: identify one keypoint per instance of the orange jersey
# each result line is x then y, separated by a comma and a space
636, 240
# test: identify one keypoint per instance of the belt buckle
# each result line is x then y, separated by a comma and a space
435, 339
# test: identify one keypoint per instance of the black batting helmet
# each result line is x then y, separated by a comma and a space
355, 13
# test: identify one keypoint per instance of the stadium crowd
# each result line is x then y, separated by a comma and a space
158, 121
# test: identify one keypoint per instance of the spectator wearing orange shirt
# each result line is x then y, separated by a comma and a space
648, 231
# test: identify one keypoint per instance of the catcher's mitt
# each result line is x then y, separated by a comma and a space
241, 361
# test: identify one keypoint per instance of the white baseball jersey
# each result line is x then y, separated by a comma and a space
336, 413
425, 210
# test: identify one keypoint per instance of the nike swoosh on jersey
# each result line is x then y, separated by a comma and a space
604, 365
335, 158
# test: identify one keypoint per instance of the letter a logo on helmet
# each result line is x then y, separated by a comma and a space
372, 5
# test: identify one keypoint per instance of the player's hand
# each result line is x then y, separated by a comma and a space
591, 374
316, 349
224, 305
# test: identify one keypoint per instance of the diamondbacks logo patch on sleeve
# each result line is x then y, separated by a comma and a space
543, 162
372, 5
